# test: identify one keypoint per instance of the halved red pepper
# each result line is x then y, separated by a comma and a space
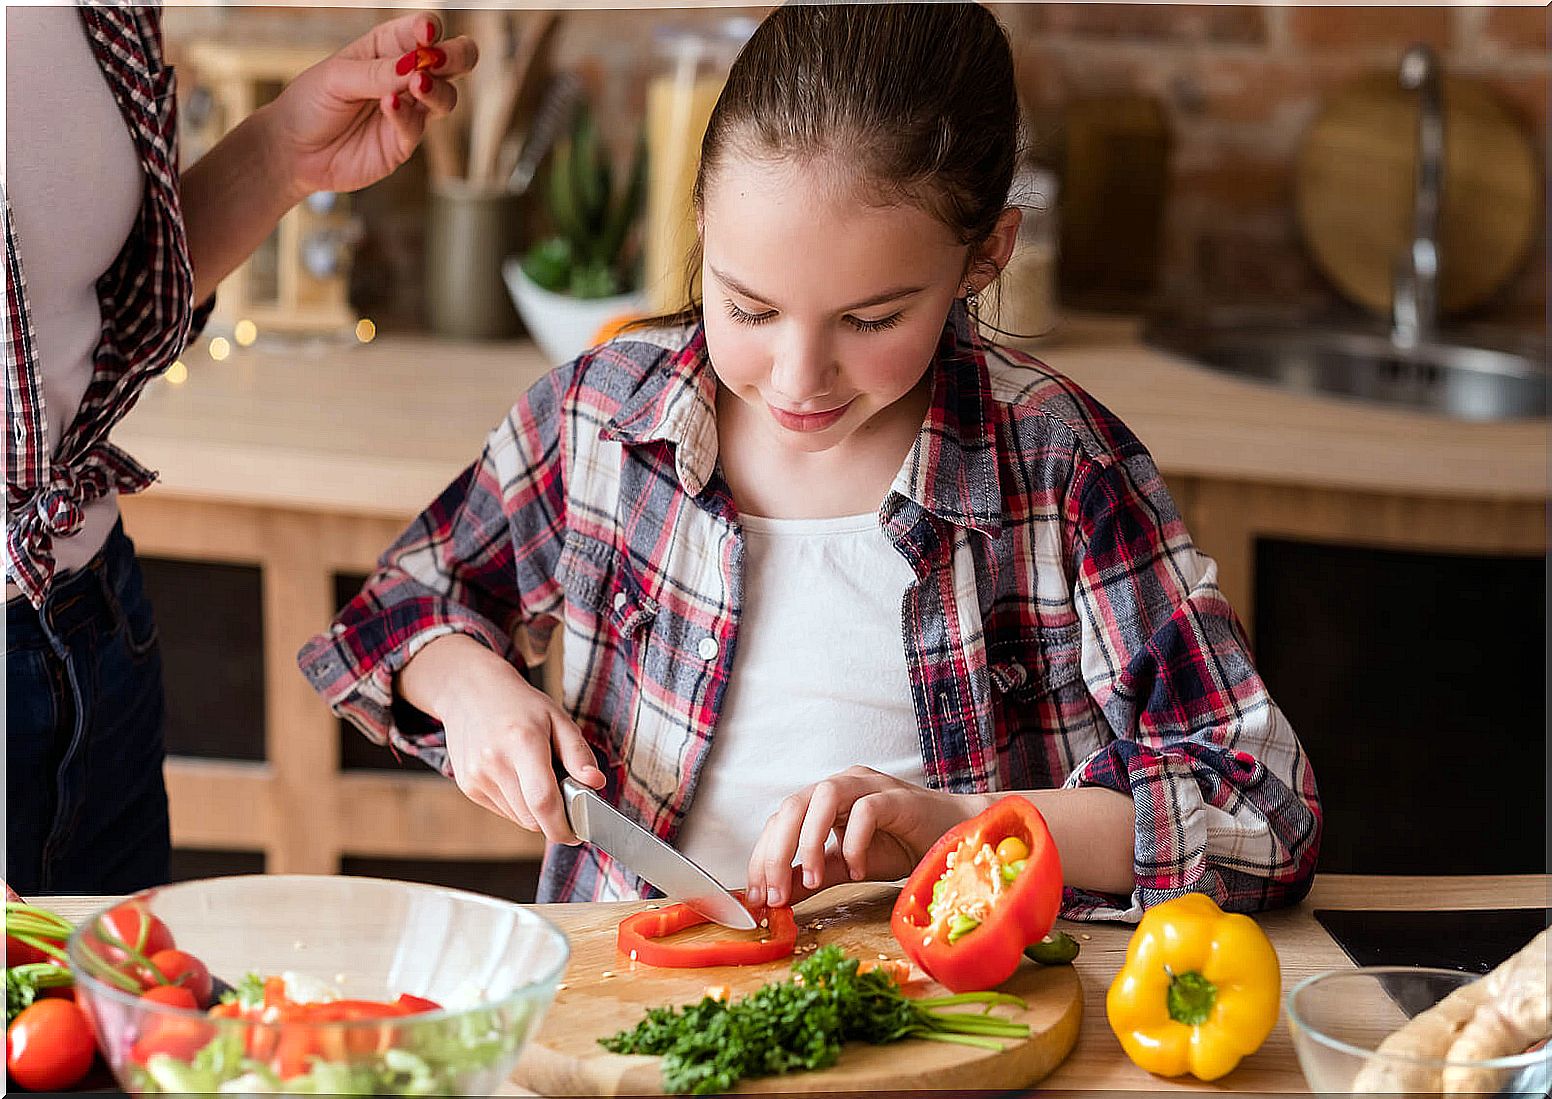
641, 933
1019, 910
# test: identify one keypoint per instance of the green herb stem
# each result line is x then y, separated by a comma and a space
961, 1040
988, 998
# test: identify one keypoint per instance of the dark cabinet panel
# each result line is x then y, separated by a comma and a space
189, 863
1417, 682
210, 619
510, 879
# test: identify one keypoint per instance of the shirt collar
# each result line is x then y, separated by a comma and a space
676, 403
951, 470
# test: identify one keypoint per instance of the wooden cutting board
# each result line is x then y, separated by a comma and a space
1354, 185
605, 992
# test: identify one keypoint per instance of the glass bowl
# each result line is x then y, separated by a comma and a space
1339, 1018
492, 967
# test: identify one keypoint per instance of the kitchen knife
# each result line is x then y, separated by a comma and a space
597, 822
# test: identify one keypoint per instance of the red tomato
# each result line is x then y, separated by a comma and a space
172, 996
131, 924
49, 1046
185, 970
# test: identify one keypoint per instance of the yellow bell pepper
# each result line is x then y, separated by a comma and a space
1199, 990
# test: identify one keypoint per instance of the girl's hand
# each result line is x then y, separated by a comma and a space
502, 733
882, 826
354, 117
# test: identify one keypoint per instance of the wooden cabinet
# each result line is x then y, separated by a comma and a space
1404, 637
297, 805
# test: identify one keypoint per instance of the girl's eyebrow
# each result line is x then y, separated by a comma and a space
876, 299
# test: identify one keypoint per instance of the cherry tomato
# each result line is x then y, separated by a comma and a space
131, 924
49, 1046
172, 996
185, 970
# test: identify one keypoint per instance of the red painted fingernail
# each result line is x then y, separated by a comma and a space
424, 84
406, 63
431, 32
393, 104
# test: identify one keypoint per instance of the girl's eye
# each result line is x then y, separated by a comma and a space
874, 326
743, 317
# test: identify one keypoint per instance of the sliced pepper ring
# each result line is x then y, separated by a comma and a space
641, 934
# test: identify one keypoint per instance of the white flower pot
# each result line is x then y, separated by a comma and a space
561, 325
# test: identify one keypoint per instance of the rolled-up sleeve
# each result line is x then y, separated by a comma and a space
1225, 797
480, 561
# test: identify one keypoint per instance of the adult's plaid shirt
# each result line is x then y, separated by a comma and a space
148, 315
1063, 631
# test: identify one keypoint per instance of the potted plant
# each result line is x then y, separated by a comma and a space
568, 285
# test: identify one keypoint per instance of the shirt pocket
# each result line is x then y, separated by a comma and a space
599, 580
1032, 668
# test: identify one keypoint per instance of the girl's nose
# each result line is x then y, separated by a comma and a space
802, 369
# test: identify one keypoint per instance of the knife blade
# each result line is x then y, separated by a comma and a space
596, 821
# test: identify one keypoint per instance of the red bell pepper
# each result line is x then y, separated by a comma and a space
967, 912
641, 933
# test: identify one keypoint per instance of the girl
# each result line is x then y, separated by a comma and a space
832, 572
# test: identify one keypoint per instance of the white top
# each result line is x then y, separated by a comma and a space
75, 185
819, 680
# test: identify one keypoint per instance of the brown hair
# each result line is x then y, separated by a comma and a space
919, 98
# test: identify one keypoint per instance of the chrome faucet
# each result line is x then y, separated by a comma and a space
1415, 289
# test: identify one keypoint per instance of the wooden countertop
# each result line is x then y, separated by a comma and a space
380, 429
1304, 948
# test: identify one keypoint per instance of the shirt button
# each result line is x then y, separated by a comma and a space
619, 601
707, 648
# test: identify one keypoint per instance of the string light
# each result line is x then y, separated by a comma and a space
245, 332
177, 373
220, 349
366, 331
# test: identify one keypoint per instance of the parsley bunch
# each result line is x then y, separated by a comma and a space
801, 1023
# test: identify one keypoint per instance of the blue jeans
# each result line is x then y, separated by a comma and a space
87, 805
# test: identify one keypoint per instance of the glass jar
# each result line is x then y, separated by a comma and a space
693, 63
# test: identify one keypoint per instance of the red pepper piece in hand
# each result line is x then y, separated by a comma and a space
1021, 912
641, 934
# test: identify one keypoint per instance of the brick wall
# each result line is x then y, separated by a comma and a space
1238, 84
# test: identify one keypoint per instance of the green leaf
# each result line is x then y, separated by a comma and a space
548, 264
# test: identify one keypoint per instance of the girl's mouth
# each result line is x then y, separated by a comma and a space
808, 421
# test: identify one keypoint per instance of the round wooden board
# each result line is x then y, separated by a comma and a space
564, 1058
1354, 191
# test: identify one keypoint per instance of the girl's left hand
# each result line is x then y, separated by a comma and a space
354, 117
882, 826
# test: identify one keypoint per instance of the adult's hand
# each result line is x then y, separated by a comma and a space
358, 114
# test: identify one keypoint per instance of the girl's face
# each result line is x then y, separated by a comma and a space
821, 310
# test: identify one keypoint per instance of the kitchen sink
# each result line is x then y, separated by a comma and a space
1474, 380
1469, 374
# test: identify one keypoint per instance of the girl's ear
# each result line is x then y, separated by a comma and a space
996, 250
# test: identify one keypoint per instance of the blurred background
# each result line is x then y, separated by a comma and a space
1300, 250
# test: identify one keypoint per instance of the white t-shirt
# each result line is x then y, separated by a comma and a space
819, 681
75, 185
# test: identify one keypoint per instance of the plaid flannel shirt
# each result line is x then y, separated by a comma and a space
1062, 631
148, 315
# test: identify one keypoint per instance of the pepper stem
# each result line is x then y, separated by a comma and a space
1190, 997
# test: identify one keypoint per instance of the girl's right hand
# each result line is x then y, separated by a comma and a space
502, 733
